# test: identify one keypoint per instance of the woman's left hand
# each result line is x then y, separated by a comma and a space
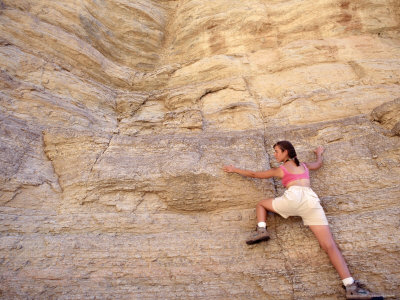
319, 150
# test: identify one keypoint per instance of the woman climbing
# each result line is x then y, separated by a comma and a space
300, 200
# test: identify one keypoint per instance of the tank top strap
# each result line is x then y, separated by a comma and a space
306, 170
284, 169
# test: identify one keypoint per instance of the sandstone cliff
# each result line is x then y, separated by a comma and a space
116, 117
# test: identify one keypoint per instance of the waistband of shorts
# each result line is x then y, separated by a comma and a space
298, 187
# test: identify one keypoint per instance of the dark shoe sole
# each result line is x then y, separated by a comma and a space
257, 241
367, 297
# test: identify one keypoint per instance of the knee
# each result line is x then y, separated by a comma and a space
263, 204
260, 206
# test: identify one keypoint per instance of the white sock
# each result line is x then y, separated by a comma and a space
262, 224
347, 281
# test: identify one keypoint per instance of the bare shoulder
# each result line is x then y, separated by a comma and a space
276, 172
279, 172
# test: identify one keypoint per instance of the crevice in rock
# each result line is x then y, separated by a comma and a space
82, 201
16, 193
272, 216
257, 99
20, 163
358, 69
274, 222
264, 130
18, 190
288, 269
99, 156
211, 91
52, 166
140, 106
234, 107
4, 43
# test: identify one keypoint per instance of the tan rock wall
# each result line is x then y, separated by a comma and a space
116, 117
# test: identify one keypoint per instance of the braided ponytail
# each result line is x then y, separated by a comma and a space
286, 145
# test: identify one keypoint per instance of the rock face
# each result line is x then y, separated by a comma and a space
117, 116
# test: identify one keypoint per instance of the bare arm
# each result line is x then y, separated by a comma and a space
318, 163
274, 172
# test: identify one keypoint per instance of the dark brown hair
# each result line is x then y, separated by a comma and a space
285, 145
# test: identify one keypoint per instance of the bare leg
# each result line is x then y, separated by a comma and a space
325, 239
261, 233
261, 209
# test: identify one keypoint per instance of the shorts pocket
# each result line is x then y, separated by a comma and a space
313, 200
314, 204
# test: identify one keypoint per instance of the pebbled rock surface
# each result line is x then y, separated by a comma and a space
115, 120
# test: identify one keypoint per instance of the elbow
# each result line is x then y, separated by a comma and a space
254, 175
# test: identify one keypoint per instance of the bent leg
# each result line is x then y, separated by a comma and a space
325, 239
261, 209
261, 233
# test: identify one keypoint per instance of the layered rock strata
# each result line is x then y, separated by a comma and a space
117, 116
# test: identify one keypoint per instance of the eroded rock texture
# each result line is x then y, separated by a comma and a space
116, 117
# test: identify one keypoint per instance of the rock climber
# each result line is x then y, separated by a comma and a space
300, 200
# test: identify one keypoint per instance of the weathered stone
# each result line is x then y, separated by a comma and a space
388, 115
117, 117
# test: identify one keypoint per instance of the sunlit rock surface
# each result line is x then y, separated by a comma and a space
115, 120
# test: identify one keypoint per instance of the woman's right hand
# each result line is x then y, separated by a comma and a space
229, 169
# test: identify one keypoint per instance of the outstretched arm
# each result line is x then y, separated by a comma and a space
275, 172
318, 163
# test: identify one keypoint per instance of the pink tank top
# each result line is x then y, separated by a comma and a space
289, 177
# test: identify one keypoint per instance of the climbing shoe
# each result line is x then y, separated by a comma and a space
261, 234
357, 290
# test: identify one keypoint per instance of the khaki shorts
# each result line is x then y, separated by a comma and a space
300, 201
